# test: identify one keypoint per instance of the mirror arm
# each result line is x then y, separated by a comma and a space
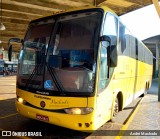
105, 38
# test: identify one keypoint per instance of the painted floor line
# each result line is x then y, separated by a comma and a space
10, 115
127, 123
7, 99
2, 98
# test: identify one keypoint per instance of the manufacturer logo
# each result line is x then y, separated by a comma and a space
42, 104
42, 93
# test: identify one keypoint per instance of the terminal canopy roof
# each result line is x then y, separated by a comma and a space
16, 14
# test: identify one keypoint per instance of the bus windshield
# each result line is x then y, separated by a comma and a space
59, 55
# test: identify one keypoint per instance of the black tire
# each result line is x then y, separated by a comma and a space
115, 110
145, 91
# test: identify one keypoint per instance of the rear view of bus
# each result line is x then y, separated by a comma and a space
68, 70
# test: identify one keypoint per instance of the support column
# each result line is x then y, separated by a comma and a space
157, 6
159, 75
159, 84
157, 60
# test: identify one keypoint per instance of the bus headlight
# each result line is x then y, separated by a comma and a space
21, 100
78, 110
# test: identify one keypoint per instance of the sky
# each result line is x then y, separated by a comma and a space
143, 23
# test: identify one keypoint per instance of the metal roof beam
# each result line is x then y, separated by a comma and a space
157, 6
137, 2
98, 2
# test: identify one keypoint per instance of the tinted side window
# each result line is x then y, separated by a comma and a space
127, 39
133, 47
141, 51
122, 40
127, 42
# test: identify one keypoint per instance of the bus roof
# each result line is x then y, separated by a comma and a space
104, 8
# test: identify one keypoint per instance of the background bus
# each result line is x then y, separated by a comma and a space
1, 66
10, 68
77, 69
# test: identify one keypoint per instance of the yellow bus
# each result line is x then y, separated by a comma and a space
78, 68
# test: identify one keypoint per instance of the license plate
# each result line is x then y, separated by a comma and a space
42, 117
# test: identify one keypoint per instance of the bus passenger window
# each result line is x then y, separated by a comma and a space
122, 40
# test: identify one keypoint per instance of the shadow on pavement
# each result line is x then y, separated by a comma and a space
154, 87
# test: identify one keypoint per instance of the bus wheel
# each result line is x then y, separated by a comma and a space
145, 91
115, 110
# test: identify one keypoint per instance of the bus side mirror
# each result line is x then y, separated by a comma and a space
10, 46
113, 56
111, 50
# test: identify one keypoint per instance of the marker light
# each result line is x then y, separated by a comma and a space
78, 110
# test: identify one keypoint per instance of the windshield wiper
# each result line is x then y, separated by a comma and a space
56, 80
